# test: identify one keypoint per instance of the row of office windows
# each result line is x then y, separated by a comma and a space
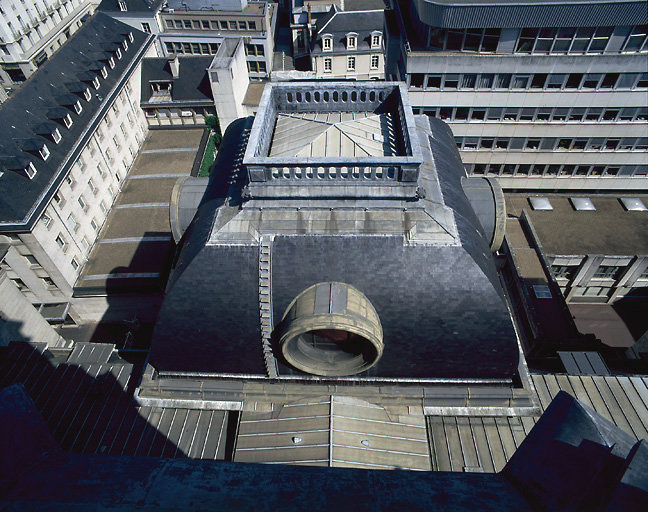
552, 144
538, 40
602, 272
556, 81
255, 66
578, 40
536, 114
553, 170
192, 48
184, 24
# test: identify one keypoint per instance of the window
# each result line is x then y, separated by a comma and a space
95, 82
20, 284
636, 41
232, 25
350, 63
564, 271
169, 24
31, 259
146, 28
111, 62
67, 120
104, 72
82, 203
92, 187
327, 65
44, 153
77, 107
122, 5
375, 40
71, 222
205, 24
352, 40
608, 272
375, 61
532, 144
74, 263
251, 25
87, 95
327, 43
94, 225
60, 241
47, 220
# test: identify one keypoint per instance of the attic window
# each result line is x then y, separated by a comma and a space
327, 43
352, 41
104, 71
77, 107
95, 82
67, 120
56, 135
87, 94
44, 153
119, 54
633, 204
111, 62
122, 5
130, 37
582, 203
540, 203
30, 170
375, 40
125, 44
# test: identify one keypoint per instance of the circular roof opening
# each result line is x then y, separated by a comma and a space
331, 329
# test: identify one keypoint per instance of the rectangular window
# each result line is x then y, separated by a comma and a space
251, 25
71, 221
60, 241
327, 65
375, 61
351, 64
146, 28
205, 24
187, 23
74, 263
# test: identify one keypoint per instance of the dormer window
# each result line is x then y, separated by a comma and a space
56, 135
30, 170
44, 153
104, 72
119, 54
125, 44
111, 62
77, 107
376, 39
95, 82
327, 43
87, 94
67, 120
122, 5
130, 37
352, 41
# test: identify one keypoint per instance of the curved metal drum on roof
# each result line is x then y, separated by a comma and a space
331, 329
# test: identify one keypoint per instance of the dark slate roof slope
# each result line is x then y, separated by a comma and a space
42, 103
132, 6
340, 23
192, 84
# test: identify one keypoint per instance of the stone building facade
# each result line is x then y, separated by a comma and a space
30, 32
65, 162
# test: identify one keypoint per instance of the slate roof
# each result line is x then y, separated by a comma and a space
340, 23
191, 86
39, 101
139, 6
450, 310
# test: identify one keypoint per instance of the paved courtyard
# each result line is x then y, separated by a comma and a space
135, 246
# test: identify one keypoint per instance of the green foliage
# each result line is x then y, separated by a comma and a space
209, 155
213, 124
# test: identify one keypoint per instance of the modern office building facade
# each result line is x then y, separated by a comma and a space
199, 28
31, 31
71, 134
544, 95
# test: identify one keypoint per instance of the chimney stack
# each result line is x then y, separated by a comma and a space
174, 64
310, 19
